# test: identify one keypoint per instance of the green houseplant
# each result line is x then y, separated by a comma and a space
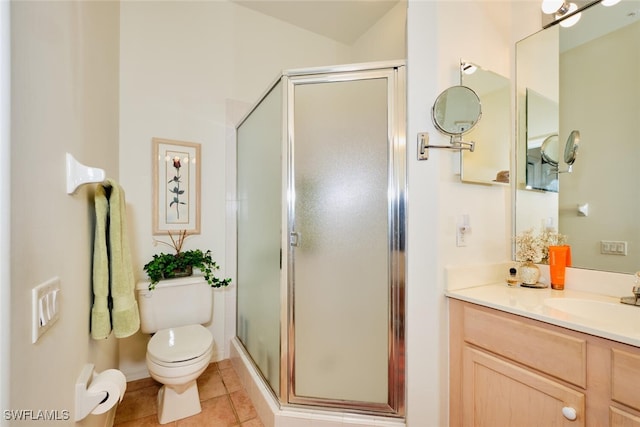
181, 263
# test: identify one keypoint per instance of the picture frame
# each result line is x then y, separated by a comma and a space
176, 186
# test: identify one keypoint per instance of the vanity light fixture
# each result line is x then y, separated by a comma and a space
468, 68
570, 20
609, 2
563, 11
554, 6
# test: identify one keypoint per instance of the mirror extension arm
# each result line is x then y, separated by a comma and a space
456, 144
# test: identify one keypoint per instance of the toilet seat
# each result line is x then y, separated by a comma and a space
180, 346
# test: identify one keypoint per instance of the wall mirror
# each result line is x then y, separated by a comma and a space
578, 93
489, 163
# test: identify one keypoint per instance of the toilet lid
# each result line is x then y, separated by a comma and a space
179, 344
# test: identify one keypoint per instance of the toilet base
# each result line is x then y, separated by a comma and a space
175, 406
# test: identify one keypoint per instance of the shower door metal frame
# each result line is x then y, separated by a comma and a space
394, 73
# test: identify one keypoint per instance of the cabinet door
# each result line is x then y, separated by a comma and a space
620, 418
499, 393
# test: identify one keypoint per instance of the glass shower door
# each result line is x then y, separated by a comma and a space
341, 223
259, 190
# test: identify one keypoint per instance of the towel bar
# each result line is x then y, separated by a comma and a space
79, 174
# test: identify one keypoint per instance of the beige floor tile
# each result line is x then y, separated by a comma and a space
150, 421
224, 402
138, 404
254, 422
216, 412
213, 367
243, 406
231, 380
224, 364
210, 385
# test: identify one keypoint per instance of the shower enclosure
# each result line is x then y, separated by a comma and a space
321, 228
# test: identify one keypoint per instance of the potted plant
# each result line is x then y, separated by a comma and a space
181, 263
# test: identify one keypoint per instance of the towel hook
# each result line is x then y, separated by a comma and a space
79, 174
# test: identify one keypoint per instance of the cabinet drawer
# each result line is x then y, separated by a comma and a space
556, 354
625, 378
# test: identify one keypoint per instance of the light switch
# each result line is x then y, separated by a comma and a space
45, 307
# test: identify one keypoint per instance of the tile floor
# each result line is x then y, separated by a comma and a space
224, 402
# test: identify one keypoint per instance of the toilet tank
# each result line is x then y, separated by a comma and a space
173, 303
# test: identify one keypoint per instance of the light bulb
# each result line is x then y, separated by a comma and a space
609, 2
468, 68
551, 6
573, 20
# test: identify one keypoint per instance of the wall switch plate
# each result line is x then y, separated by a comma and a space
462, 229
613, 247
461, 240
45, 307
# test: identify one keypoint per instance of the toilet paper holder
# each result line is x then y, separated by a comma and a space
88, 400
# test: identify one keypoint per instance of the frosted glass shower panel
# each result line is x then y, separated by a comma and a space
341, 275
259, 192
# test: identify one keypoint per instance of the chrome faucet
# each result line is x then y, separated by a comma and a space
635, 299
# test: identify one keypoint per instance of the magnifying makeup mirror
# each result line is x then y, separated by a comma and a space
571, 148
550, 151
456, 111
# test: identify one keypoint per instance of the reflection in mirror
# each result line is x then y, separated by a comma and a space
489, 163
592, 72
542, 142
550, 150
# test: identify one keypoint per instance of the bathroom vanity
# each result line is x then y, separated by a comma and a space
531, 357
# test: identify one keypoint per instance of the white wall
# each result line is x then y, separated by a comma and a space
383, 41
439, 34
64, 98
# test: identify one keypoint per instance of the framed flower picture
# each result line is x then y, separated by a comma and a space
176, 186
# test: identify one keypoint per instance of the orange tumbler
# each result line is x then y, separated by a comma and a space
559, 259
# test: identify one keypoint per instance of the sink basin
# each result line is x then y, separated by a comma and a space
622, 316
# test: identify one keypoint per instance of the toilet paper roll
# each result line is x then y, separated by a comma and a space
114, 383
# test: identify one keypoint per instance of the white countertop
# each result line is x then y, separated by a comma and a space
594, 314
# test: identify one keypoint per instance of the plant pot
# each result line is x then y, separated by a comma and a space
529, 273
179, 272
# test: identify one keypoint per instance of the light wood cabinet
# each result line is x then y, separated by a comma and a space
499, 393
508, 370
620, 418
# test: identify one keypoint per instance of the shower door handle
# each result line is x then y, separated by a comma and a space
294, 238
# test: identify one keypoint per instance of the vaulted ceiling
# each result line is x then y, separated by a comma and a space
341, 20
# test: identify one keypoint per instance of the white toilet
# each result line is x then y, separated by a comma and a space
181, 348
